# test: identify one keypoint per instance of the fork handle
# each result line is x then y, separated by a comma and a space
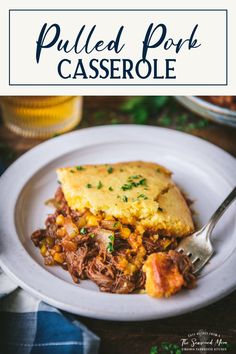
219, 212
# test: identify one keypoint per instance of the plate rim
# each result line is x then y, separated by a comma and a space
86, 312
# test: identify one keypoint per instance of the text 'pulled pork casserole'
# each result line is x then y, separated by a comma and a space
118, 225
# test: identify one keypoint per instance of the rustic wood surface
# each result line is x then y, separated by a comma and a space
139, 337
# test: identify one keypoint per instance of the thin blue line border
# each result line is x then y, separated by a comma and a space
119, 10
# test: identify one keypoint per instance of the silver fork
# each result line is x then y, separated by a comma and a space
198, 246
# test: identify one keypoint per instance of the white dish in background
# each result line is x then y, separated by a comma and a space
205, 172
209, 110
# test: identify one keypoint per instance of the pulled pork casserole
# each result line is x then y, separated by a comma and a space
118, 225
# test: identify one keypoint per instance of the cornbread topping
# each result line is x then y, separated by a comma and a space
136, 193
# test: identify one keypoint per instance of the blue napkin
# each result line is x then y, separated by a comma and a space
29, 326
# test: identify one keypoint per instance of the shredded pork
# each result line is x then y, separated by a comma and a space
95, 252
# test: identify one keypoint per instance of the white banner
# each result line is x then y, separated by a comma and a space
121, 50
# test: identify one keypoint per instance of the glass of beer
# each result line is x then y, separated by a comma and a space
41, 116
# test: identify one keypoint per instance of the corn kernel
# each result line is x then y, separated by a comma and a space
140, 229
125, 232
50, 241
43, 250
59, 257
142, 251
42, 242
92, 221
123, 263
167, 243
109, 217
57, 248
132, 268
61, 232
135, 241
81, 222
60, 220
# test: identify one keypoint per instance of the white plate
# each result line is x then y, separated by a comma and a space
205, 173
6, 285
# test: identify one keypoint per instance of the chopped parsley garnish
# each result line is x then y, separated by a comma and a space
117, 223
131, 183
89, 185
100, 185
110, 246
125, 199
142, 196
154, 350
110, 170
158, 169
136, 177
59, 182
83, 231
92, 235
111, 189
160, 209
143, 182
72, 171
127, 186
80, 168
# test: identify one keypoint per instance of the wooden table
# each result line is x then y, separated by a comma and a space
139, 337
